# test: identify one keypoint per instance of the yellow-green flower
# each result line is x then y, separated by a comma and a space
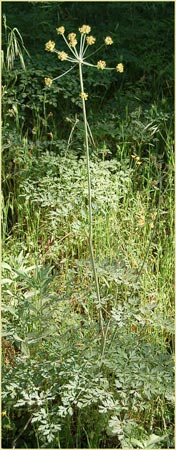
73, 42
120, 67
108, 40
71, 36
83, 95
48, 82
85, 29
90, 40
101, 64
138, 161
60, 30
62, 56
49, 46
4, 413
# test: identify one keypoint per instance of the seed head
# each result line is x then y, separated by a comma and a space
101, 64
49, 46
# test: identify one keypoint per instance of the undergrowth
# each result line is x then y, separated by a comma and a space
57, 377
62, 386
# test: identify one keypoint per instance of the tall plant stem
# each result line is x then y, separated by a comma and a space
90, 205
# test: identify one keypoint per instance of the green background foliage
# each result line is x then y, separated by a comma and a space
62, 388
143, 39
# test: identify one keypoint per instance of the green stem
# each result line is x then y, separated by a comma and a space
69, 70
93, 53
104, 341
90, 205
68, 45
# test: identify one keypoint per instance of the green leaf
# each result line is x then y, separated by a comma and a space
154, 439
6, 281
9, 309
4, 265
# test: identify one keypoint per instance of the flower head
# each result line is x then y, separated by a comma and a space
73, 42
48, 82
120, 67
72, 39
71, 36
62, 56
83, 95
49, 46
85, 29
90, 40
138, 161
108, 40
60, 30
101, 64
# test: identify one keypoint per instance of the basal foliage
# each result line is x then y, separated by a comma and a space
57, 381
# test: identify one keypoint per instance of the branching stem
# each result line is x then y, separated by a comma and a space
90, 206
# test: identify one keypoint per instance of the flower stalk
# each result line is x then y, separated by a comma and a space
80, 60
90, 204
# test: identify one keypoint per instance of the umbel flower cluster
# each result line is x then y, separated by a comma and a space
76, 54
